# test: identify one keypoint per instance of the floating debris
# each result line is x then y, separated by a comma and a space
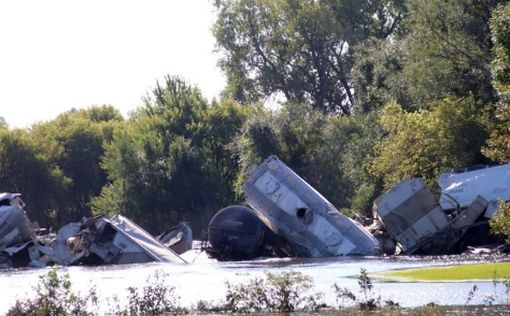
287, 218
93, 241
178, 238
412, 216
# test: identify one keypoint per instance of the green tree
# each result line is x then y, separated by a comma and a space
329, 152
498, 146
74, 142
302, 49
154, 174
444, 50
500, 24
25, 168
172, 160
376, 74
428, 142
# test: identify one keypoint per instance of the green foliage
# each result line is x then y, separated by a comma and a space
500, 27
500, 221
428, 142
376, 74
56, 164
498, 146
172, 161
53, 296
26, 168
283, 292
449, 50
302, 49
329, 152
74, 142
444, 50
101, 113
156, 298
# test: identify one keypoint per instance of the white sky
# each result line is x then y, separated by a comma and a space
60, 54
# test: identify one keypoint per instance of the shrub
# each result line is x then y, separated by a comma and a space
367, 302
54, 297
155, 298
500, 222
284, 292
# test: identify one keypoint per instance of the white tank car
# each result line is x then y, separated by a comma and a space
464, 185
290, 207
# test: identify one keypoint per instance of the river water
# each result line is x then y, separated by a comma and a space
204, 279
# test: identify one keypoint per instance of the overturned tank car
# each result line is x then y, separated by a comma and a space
288, 217
292, 208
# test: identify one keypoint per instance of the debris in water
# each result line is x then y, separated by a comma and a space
98, 240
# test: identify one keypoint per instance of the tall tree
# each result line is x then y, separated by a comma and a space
25, 168
74, 142
498, 148
445, 50
172, 161
302, 49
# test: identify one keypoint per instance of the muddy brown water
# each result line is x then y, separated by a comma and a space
204, 279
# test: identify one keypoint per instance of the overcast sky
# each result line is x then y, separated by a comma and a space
60, 54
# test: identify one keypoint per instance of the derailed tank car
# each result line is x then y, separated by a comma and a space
237, 233
292, 208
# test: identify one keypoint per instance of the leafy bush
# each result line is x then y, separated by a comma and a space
449, 134
500, 222
155, 298
54, 297
284, 292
